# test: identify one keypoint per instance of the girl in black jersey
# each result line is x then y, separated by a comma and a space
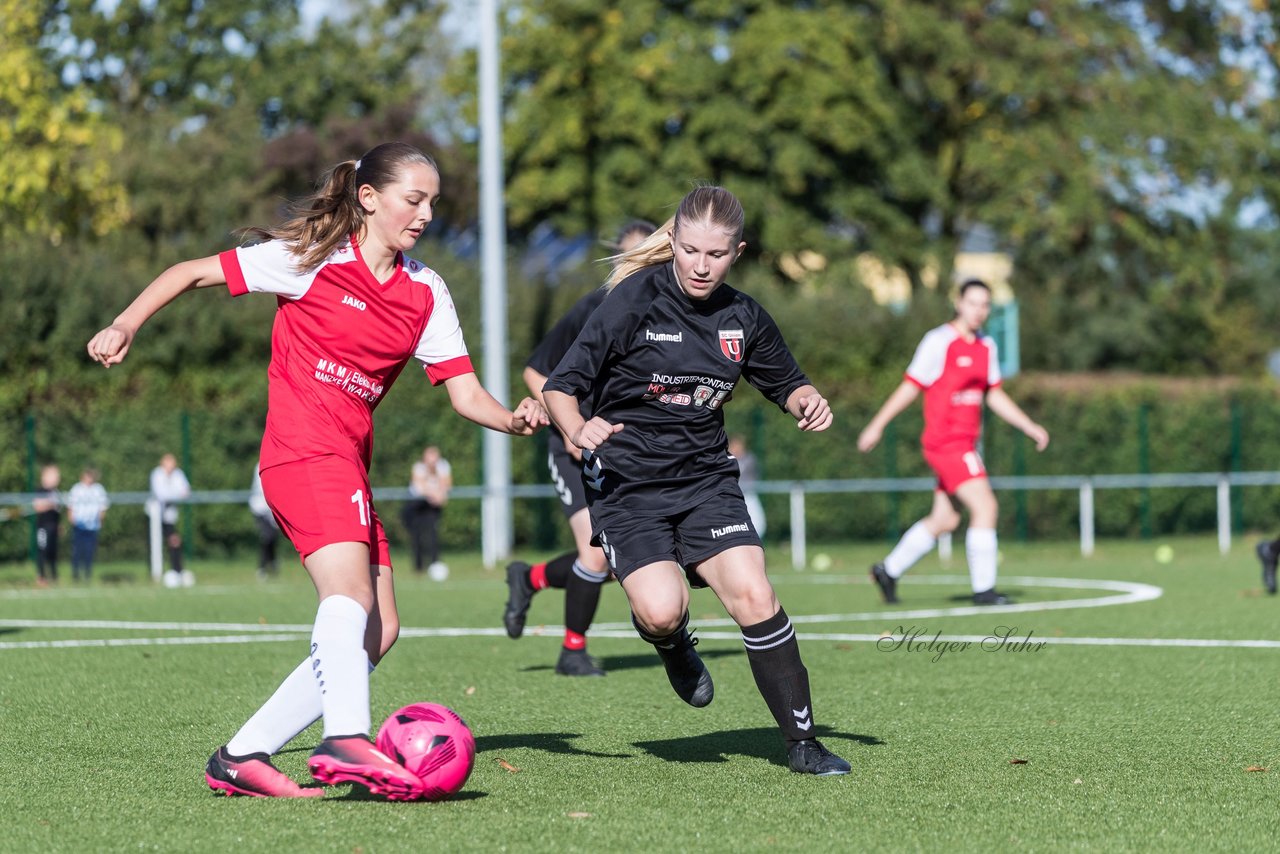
653, 366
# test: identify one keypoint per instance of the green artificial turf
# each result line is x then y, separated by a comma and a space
956, 748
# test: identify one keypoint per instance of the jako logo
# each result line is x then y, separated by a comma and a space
347, 299
650, 335
742, 528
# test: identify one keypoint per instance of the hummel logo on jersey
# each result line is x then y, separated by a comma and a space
674, 337
742, 528
803, 721
347, 299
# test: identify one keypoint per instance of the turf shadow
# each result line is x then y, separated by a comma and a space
643, 660
360, 793
758, 742
1014, 593
548, 742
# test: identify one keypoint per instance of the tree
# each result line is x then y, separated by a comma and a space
198, 89
1107, 143
55, 149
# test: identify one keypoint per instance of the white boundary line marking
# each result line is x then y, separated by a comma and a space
1124, 593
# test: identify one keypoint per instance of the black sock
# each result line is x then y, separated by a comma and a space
663, 642
780, 674
559, 569
581, 597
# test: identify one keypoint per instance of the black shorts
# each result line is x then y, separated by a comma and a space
566, 477
688, 537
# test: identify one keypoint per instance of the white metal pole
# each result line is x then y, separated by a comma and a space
1086, 518
496, 512
1224, 515
798, 557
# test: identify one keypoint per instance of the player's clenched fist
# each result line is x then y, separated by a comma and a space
110, 345
529, 417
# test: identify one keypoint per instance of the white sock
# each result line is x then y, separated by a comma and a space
915, 544
291, 709
980, 546
341, 666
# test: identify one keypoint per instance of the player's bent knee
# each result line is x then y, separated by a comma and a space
593, 559
944, 524
660, 623
755, 606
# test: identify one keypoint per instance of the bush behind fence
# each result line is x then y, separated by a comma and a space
1099, 425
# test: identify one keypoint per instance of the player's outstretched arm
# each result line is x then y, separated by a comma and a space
535, 381
903, 396
811, 410
474, 403
588, 435
111, 345
1004, 407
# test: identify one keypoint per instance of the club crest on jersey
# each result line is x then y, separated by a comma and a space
731, 344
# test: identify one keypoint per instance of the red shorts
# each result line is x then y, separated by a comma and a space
954, 467
325, 500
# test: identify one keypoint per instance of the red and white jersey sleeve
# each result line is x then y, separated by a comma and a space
442, 350
339, 341
955, 375
265, 268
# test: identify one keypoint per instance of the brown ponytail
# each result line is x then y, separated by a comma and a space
318, 223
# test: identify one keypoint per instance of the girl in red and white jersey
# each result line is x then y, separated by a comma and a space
352, 311
957, 367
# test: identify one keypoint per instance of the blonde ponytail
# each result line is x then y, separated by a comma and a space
654, 249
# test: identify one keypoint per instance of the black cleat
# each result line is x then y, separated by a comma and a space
887, 583
519, 596
576, 662
1267, 554
991, 597
810, 757
686, 672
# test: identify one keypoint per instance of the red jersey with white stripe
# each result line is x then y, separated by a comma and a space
955, 375
339, 341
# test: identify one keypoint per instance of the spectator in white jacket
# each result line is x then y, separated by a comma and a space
169, 487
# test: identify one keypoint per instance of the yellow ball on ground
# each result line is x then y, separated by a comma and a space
1164, 554
822, 561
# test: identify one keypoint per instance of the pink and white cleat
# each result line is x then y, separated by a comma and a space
354, 759
252, 775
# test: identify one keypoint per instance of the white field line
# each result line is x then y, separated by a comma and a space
1124, 593
181, 641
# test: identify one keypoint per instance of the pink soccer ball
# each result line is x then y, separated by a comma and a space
432, 742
